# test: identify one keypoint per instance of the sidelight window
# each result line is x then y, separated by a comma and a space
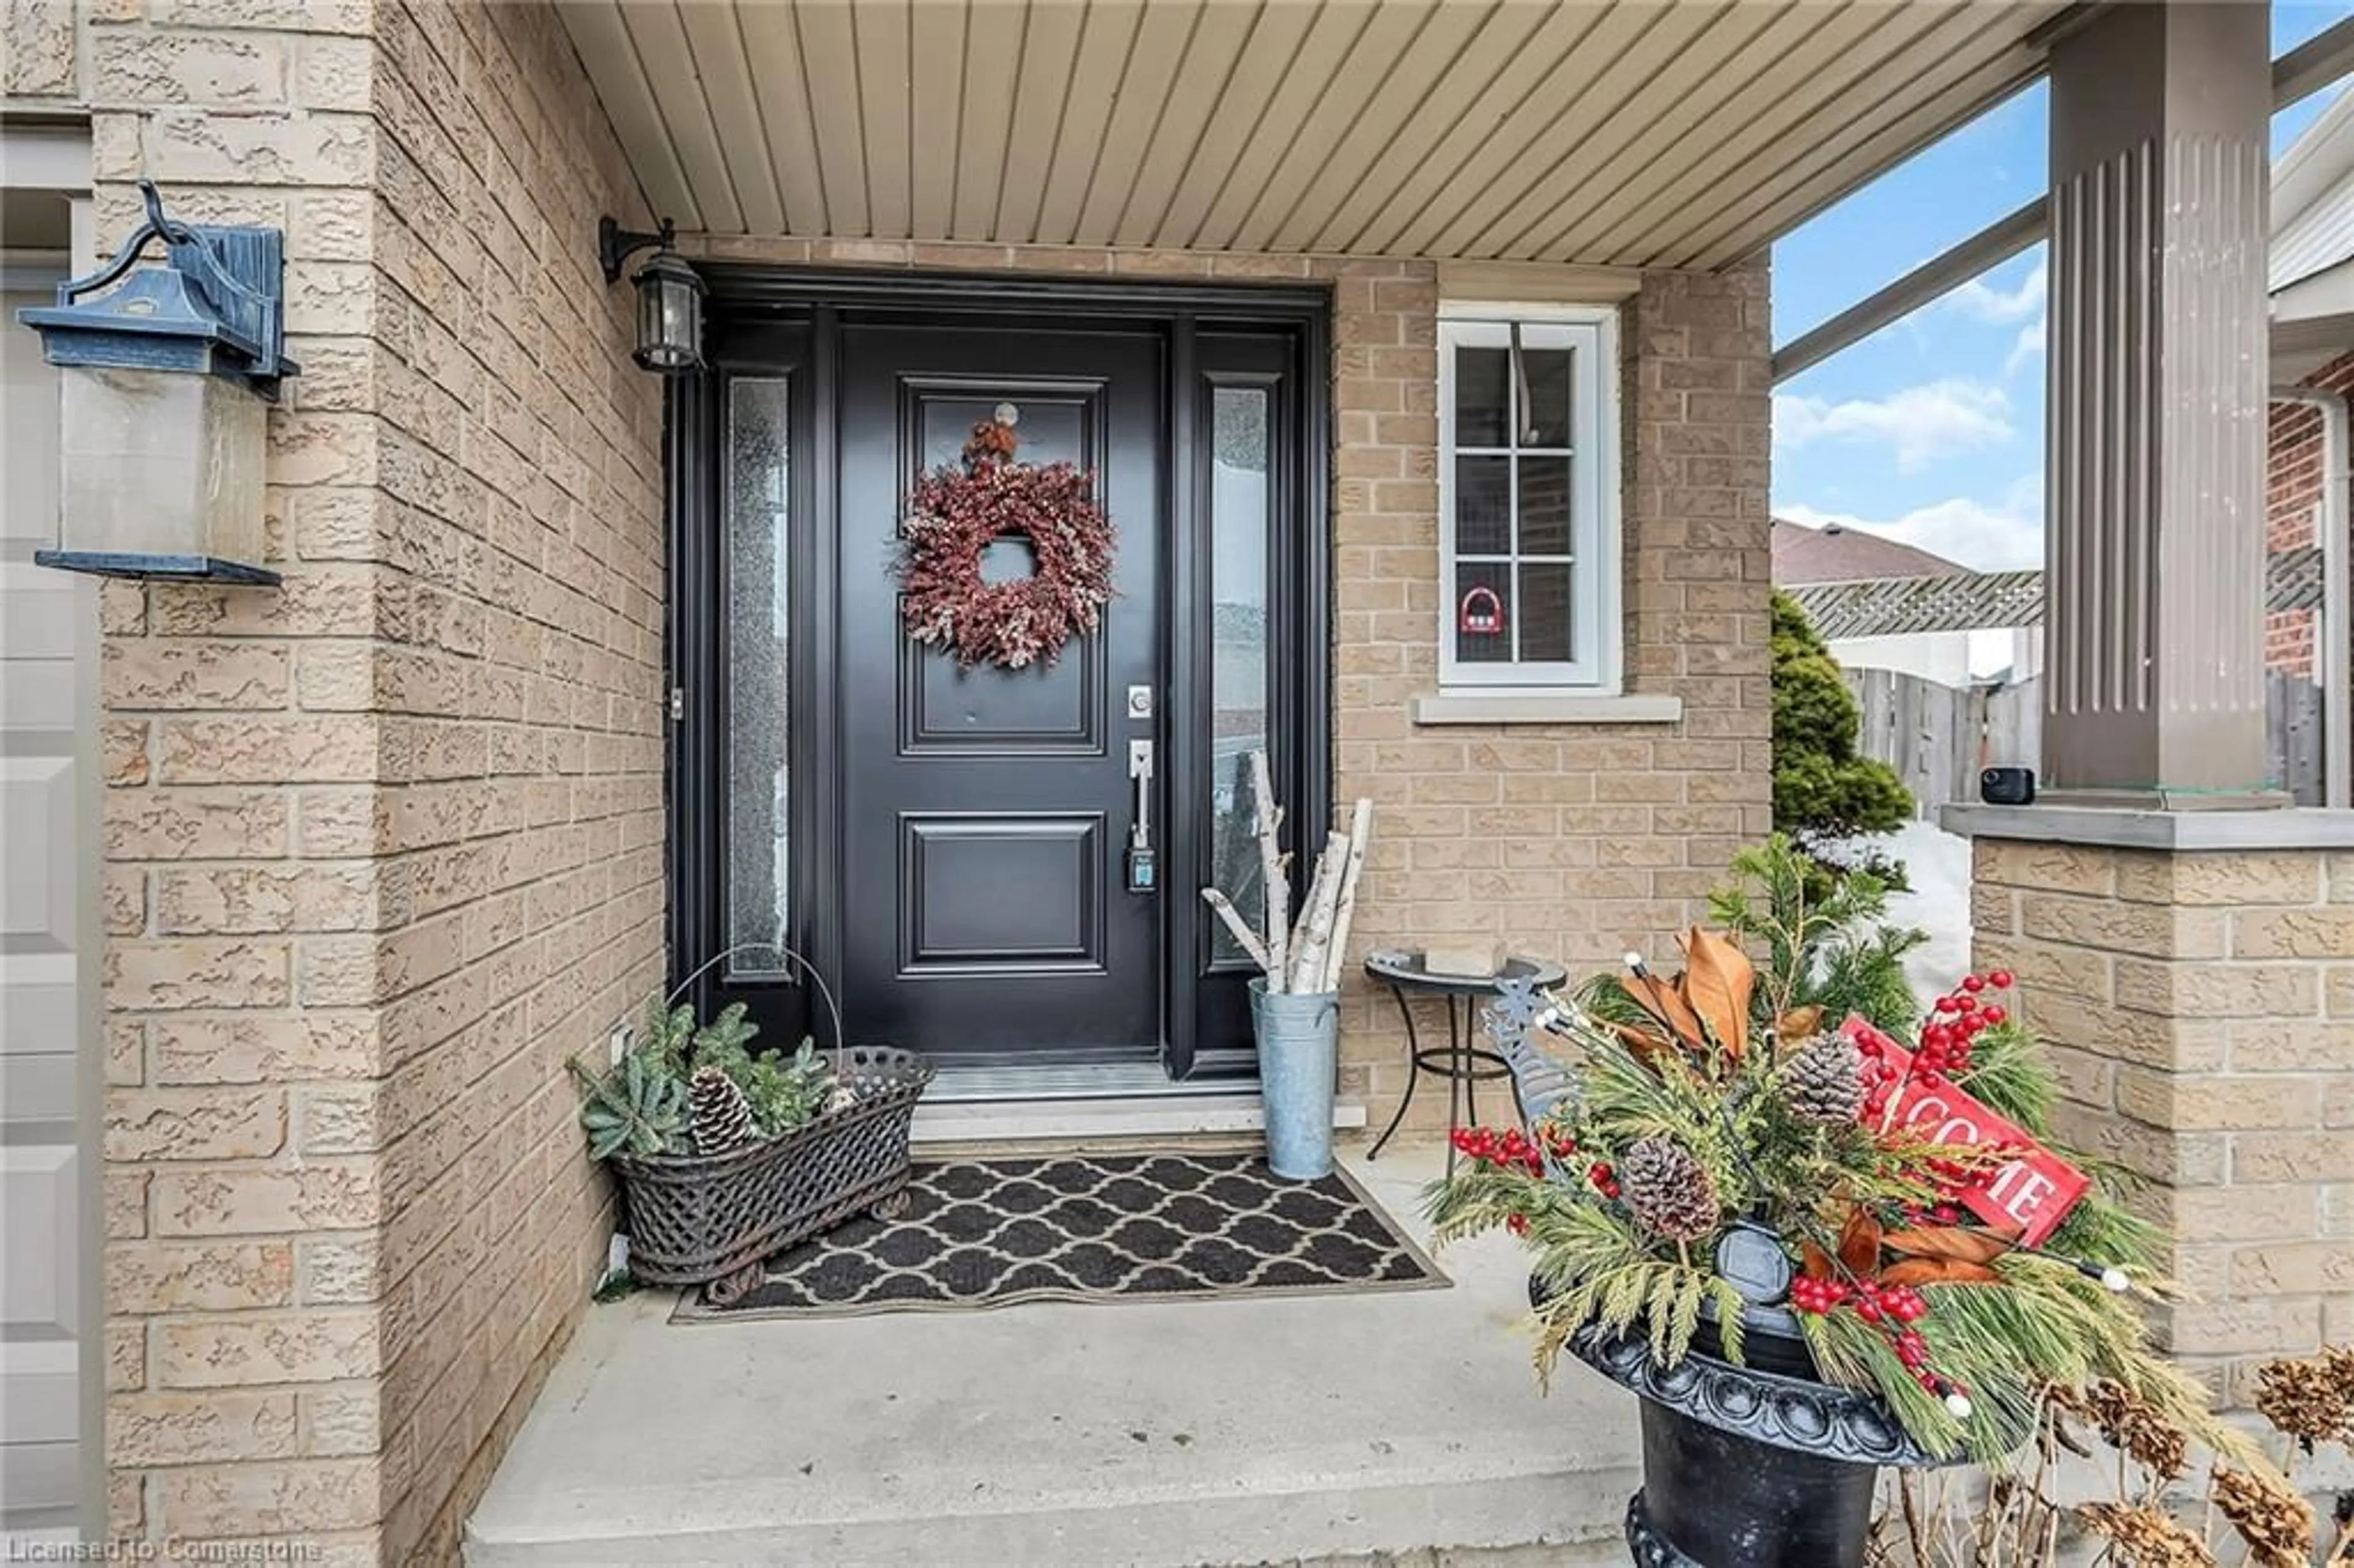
755, 518
1528, 499
1239, 510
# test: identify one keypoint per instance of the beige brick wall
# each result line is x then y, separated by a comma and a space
1573, 841
2199, 1008
384, 847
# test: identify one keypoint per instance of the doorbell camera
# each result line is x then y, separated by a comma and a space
2008, 786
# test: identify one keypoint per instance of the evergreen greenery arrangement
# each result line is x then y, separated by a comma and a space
1732, 1096
1826, 793
688, 1087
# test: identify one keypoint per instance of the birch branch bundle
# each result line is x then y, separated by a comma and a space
1272, 877
1361, 828
1305, 959
1314, 933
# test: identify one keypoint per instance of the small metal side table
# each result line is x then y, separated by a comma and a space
1461, 1063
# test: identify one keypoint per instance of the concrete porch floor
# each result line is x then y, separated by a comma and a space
1074, 1436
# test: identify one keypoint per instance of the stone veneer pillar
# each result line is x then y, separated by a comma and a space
2193, 976
2155, 543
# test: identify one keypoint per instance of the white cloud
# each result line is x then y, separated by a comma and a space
2027, 346
1982, 301
1924, 423
1997, 306
1998, 536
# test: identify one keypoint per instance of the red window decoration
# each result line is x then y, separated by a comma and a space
1482, 614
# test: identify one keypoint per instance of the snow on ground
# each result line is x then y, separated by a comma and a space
1938, 865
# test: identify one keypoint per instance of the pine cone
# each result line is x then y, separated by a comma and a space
718, 1113
1667, 1191
1826, 1080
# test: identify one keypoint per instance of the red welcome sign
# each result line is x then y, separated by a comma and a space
2033, 1191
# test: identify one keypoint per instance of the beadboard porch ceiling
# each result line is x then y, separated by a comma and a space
1630, 132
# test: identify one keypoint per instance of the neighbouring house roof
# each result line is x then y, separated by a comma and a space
2311, 272
1993, 601
2313, 198
1836, 553
1619, 135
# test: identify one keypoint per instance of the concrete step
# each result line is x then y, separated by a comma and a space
1392, 1427
1515, 1523
959, 1126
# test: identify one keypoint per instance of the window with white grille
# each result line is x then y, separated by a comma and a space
1528, 498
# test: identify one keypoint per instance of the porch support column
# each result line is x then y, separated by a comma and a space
2154, 547
2192, 971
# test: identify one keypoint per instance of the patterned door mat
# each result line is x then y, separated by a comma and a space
1090, 1227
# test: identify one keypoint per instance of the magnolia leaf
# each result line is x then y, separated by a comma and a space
1717, 982
1939, 1271
1666, 1003
1951, 1242
1798, 1023
1645, 1043
1813, 1261
1859, 1247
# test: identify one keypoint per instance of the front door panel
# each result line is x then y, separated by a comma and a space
987, 812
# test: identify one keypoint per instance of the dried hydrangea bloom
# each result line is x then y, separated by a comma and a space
2307, 1400
2274, 1519
2129, 1423
2144, 1538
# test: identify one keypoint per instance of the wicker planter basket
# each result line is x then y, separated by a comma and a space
709, 1220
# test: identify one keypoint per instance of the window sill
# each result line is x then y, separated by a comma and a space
1543, 707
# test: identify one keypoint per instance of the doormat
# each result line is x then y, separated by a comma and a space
1090, 1227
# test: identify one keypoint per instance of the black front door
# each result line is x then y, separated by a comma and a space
987, 906
950, 849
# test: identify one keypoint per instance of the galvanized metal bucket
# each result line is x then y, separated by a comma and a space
1299, 1048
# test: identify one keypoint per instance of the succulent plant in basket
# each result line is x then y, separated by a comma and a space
726, 1157
1813, 1247
688, 1087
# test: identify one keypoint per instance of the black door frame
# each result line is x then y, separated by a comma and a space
787, 318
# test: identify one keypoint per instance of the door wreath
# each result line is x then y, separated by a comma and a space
955, 513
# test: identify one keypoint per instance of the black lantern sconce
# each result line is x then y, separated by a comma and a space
670, 296
164, 392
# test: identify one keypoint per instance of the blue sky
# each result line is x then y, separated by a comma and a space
1932, 430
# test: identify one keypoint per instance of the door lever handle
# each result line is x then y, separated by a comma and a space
1139, 768
1143, 876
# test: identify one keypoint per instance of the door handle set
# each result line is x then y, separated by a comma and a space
1141, 877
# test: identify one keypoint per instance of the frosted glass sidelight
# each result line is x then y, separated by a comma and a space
755, 854
1239, 501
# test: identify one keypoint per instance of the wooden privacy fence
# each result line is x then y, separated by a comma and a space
1938, 737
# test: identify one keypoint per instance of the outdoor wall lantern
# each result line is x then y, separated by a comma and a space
166, 385
670, 296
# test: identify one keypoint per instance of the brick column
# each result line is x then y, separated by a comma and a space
2197, 998
383, 848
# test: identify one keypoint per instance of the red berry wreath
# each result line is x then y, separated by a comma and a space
955, 514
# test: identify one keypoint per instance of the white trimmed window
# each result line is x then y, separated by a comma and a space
1528, 498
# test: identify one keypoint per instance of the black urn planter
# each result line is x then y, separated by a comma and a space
1762, 1465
